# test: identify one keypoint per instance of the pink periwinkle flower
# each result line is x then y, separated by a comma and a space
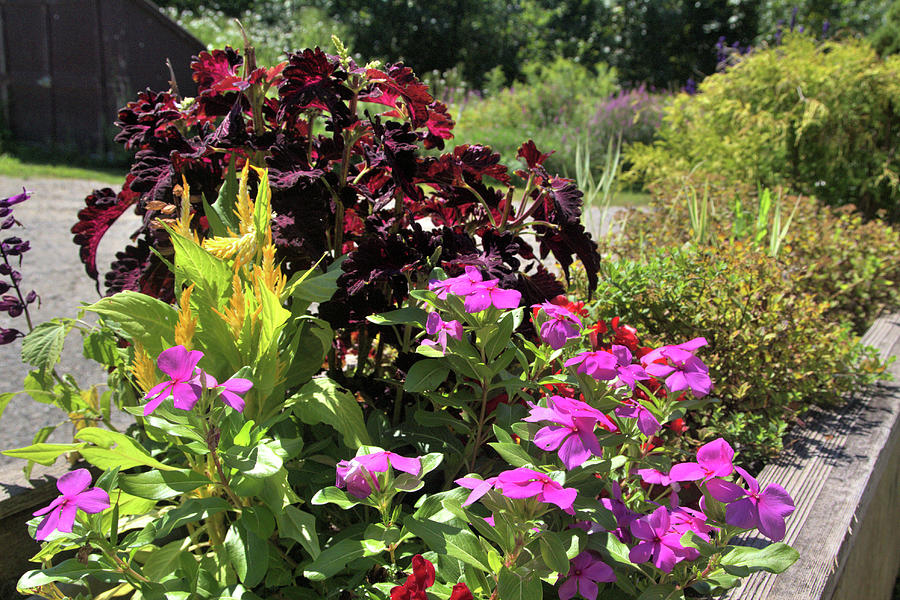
229, 390
585, 571
654, 476
485, 294
73, 487
646, 422
681, 369
179, 364
624, 516
358, 474
713, 460
435, 325
608, 366
560, 326
659, 543
459, 286
751, 508
572, 431
521, 483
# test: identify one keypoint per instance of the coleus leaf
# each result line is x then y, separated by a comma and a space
313, 80
102, 209
217, 71
400, 82
141, 120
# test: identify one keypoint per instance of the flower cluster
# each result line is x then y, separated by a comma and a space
187, 382
479, 294
13, 304
422, 578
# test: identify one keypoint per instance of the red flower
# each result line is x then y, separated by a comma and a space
421, 578
461, 592
678, 426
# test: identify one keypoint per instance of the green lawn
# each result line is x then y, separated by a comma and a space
13, 166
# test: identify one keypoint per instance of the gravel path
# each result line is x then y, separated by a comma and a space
52, 268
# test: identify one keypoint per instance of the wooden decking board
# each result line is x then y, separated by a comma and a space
828, 469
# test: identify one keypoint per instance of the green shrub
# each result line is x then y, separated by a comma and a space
819, 118
841, 260
772, 350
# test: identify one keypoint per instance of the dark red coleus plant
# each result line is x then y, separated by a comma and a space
344, 148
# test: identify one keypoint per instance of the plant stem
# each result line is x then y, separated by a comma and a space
481, 420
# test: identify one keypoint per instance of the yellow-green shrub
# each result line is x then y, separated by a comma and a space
820, 118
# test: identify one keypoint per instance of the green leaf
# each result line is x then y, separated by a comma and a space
141, 318
192, 510
426, 375
333, 495
43, 454
163, 561
553, 552
411, 315
317, 288
447, 539
512, 586
512, 453
743, 560
221, 215
307, 349
195, 265
499, 337
323, 401
332, 560
259, 461
161, 485
247, 552
42, 347
299, 526
115, 449
690, 539
68, 571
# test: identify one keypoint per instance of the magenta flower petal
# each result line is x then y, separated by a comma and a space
568, 589
433, 323
716, 457
157, 392
573, 453
74, 482
477, 301
152, 404
725, 491
48, 525
522, 490
413, 466
587, 588
479, 487
742, 514
185, 395
774, 505
560, 496
49, 507
233, 400
178, 363
93, 500
642, 552
664, 558
505, 298
688, 471
551, 437
238, 385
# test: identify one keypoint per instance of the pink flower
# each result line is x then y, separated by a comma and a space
179, 365
572, 430
585, 571
358, 474
485, 294
764, 510
73, 487
659, 544
561, 325
228, 390
435, 325
459, 286
682, 370
527, 483
646, 422
713, 460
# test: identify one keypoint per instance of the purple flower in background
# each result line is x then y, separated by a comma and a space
751, 508
73, 487
179, 365
357, 473
486, 294
572, 430
12, 200
585, 571
527, 483
646, 422
435, 325
681, 369
561, 325
713, 460
659, 544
